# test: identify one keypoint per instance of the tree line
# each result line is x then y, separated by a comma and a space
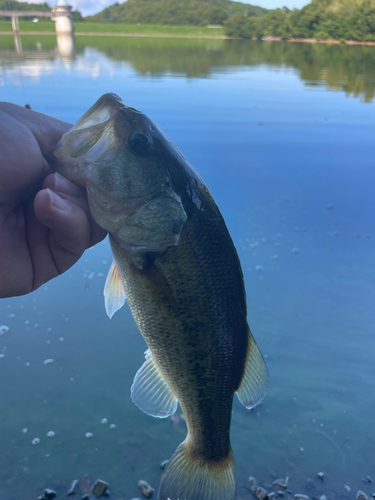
13, 5
320, 19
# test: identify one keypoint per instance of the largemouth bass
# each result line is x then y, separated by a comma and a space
175, 262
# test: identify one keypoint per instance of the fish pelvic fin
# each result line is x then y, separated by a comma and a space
187, 477
114, 293
150, 392
255, 378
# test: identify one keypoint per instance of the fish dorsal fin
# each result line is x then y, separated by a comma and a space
114, 293
150, 392
254, 381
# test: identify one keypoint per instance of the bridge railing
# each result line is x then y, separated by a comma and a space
61, 14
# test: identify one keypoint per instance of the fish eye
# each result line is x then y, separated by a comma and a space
139, 142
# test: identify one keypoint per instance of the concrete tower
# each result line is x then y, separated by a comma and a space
63, 16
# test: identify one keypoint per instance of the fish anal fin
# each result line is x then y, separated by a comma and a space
189, 478
255, 378
114, 293
150, 392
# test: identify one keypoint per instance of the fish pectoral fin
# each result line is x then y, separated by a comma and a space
254, 381
150, 392
114, 293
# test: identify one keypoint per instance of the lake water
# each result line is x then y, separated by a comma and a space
283, 135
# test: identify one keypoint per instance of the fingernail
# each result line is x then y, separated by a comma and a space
65, 186
58, 202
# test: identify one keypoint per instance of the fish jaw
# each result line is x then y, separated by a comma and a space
90, 138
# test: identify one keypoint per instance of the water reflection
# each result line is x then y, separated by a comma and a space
18, 43
349, 69
290, 168
65, 46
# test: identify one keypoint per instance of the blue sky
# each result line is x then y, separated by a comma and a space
88, 7
274, 4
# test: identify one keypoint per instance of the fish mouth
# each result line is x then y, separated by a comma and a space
97, 136
95, 125
88, 140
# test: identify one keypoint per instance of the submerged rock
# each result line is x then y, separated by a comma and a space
85, 485
252, 484
281, 483
300, 496
99, 488
4, 329
164, 464
72, 489
321, 476
361, 496
261, 493
146, 490
49, 494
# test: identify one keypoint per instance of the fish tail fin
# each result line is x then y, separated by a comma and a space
188, 477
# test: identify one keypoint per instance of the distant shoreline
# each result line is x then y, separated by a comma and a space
140, 35
175, 35
314, 40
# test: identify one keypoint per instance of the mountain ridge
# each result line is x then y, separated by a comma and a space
175, 12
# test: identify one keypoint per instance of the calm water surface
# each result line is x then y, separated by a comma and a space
283, 135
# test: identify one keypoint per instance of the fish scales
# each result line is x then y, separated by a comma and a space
201, 311
177, 265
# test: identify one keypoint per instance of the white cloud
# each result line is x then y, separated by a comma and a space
89, 7
275, 4
29, 69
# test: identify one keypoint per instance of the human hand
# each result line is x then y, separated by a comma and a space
45, 222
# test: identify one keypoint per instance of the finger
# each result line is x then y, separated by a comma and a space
68, 223
78, 195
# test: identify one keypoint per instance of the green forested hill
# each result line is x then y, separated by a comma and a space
183, 12
320, 19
